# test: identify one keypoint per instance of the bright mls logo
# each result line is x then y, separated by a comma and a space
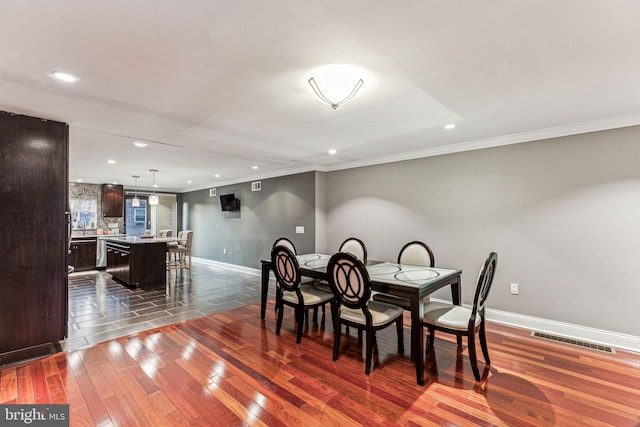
34, 415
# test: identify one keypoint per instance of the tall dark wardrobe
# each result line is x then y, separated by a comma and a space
33, 235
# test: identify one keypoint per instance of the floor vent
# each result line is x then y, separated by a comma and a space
572, 341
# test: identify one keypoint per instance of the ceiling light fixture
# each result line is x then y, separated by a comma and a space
140, 144
334, 105
254, 167
65, 77
111, 162
135, 202
332, 151
450, 126
153, 199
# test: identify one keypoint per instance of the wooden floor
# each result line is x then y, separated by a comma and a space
230, 369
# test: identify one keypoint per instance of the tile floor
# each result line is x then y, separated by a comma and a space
101, 308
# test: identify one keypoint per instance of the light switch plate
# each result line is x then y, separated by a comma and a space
299, 229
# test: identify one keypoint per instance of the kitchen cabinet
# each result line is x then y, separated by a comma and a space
34, 156
112, 200
142, 265
82, 254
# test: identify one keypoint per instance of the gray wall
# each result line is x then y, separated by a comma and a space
275, 211
563, 215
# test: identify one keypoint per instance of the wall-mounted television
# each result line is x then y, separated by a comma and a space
228, 202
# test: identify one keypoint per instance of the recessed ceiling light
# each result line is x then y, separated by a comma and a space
140, 144
332, 151
65, 77
111, 162
217, 175
79, 179
188, 182
155, 185
255, 167
115, 183
450, 126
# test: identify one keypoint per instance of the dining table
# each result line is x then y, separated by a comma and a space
411, 282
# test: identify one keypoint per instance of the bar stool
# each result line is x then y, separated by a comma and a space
179, 252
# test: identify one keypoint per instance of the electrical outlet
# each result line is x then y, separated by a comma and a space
514, 289
224, 251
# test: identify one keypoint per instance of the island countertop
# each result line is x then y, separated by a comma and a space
135, 240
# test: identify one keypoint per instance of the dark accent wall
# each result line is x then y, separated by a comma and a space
282, 204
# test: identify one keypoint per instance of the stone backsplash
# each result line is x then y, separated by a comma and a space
94, 192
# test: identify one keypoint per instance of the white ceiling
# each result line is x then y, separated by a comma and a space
216, 87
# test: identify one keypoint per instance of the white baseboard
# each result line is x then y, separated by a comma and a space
584, 333
232, 267
568, 330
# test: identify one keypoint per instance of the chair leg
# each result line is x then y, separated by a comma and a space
336, 343
300, 314
335, 317
369, 350
432, 337
400, 330
375, 345
483, 344
471, 339
277, 298
279, 309
359, 336
190, 269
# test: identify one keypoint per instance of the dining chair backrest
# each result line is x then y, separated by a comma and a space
485, 279
416, 253
349, 280
283, 241
165, 233
355, 246
285, 268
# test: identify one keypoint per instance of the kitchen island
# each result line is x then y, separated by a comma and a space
137, 261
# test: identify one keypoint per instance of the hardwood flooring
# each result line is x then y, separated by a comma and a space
230, 369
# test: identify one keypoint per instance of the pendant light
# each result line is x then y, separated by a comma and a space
153, 199
135, 202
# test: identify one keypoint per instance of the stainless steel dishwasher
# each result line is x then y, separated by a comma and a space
101, 253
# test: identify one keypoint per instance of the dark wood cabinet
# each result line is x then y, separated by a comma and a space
33, 235
112, 200
82, 254
137, 264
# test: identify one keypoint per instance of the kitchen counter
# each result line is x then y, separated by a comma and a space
135, 240
94, 236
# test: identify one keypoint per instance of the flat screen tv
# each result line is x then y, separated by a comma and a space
228, 202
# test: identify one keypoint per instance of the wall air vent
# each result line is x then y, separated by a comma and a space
256, 186
212, 192
572, 341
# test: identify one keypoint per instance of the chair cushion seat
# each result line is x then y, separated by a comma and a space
448, 315
310, 294
321, 285
381, 313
